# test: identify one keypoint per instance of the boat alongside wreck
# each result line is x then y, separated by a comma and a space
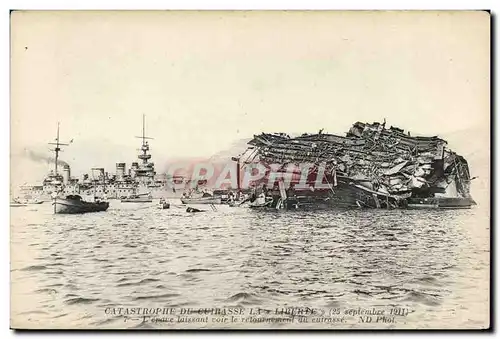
371, 167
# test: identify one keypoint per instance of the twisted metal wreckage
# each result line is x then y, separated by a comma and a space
371, 166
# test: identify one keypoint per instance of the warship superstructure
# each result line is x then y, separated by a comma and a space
141, 178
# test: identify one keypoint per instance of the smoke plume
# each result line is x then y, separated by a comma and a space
38, 157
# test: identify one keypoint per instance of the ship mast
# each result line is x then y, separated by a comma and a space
143, 128
57, 149
144, 147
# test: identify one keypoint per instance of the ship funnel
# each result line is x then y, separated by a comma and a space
133, 170
66, 174
120, 171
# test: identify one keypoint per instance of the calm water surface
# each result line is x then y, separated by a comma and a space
67, 269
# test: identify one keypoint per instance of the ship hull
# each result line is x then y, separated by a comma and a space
69, 206
440, 203
346, 194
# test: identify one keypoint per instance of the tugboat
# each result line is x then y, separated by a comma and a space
72, 204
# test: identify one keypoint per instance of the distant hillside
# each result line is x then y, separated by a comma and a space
236, 148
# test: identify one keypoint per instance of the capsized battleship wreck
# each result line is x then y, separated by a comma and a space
372, 166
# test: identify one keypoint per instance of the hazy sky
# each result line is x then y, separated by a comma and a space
204, 79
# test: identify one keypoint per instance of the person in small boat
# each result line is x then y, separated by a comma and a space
230, 197
290, 192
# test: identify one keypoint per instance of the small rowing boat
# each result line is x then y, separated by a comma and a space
146, 197
202, 200
163, 205
17, 204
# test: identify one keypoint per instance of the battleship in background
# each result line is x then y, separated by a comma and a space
140, 179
